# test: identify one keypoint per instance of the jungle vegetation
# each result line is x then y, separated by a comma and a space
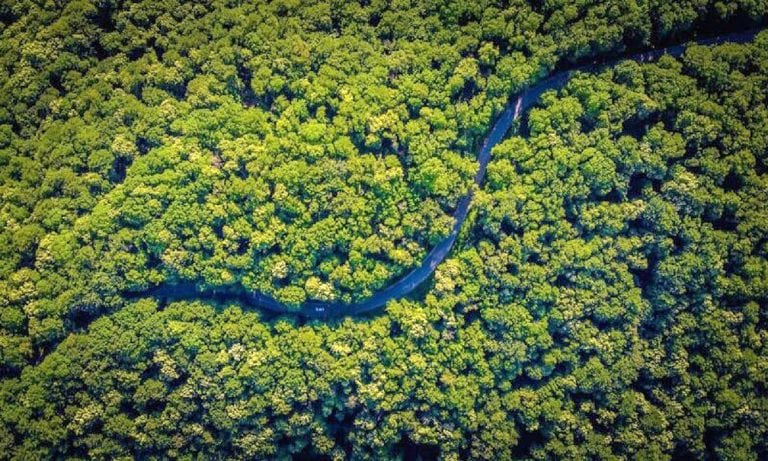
607, 299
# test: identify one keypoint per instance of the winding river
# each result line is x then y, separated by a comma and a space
405, 285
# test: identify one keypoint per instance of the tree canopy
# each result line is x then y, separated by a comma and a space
606, 299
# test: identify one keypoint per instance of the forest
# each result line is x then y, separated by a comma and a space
606, 298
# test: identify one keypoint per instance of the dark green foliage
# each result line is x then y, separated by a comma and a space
607, 301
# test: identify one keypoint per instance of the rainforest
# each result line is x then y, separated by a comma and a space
384, 229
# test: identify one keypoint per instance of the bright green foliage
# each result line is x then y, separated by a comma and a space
607, 300
303, 149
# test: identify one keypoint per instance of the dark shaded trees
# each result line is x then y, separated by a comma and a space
607, 299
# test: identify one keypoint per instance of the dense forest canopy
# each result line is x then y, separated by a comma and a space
607, 298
